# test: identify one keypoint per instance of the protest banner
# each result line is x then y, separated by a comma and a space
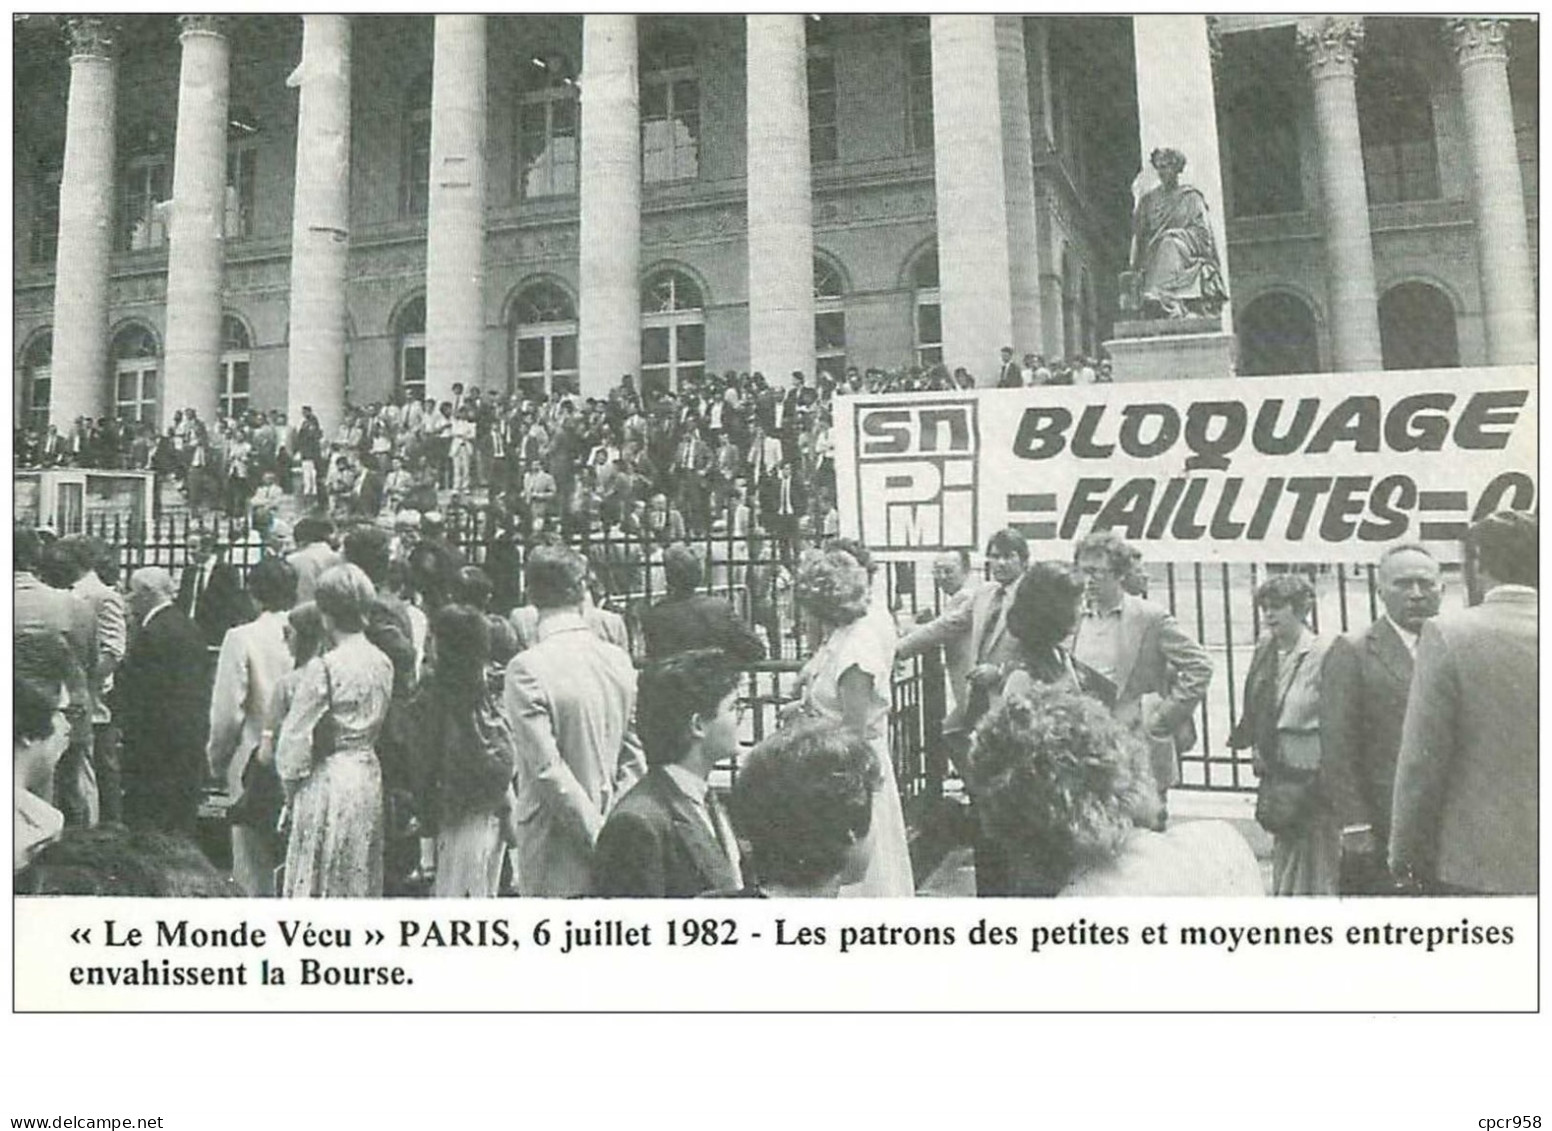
1318, 468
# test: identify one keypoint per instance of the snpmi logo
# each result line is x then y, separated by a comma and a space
916, 474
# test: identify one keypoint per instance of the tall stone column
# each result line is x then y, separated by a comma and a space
196, 253
1330, 45
609, 338
1503, 247
455, 227
1018, 161
968, 172
781, 212
320, 223
80, 362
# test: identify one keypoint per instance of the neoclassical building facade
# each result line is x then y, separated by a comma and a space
272, 211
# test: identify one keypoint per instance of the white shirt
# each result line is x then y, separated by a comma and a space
1407, 638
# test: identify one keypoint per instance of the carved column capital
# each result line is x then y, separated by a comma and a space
1478, 39
203, 25
1330, 45
91, 35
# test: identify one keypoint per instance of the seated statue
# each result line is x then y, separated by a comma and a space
1175, 270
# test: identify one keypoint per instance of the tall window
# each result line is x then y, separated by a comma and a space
918, 85
673, 331
135, 368
236, 359
37, 369
45, 213
415, 178
242, 173
927, 309
824, 141
1417, 328
670, 110
1395, 119
544, 342
1263, 152
829, 319
409, 331
146, 185
547, 129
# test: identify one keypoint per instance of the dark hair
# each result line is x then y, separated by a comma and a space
682, 568
1286, 590
273, 585
1505, 546
670, 692
555, 577
307, 632
313, 528
58, 566
112, 860
802, 799
462, 637
1008, 541
1045, 605
26, 548
43, 664
93, 554
369, 548
472, 587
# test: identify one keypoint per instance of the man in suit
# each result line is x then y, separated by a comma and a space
315, 553
602, 622
1011, 376
782, 502
668, 838
1363, 702
571, 700
94, 560
1463, 819
159, 702
210, 592
686, 621
1160, 674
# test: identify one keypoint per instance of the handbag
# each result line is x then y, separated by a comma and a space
1284, 799
263, 797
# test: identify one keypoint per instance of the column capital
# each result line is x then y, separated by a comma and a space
1478, 39
91, 35
1331, 45
207, 24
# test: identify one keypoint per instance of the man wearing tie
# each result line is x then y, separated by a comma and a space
210, 591
1012, 373
669, 838
781, 502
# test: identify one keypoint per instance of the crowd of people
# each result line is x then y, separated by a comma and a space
376, 727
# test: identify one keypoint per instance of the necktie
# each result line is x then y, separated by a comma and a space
724, 831
199, 591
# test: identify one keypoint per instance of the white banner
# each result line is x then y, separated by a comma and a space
1321, 468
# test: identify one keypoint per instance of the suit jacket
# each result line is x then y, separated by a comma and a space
1464, 810
770, 498
222, 605
159, 703
42, 609
253, 658
1155, 657
606, 624
111, 638
1363, 702
655, 845
309, 562
571, 699
683, 623
1011, 376
989, 641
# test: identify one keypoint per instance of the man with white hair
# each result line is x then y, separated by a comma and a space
159, 702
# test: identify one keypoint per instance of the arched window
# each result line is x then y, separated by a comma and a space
45, 210
918, 84
415, 177
1395, 119
145, 187
927, 308
670, 109
544, 341
829, 319
1417, 328
242, 172
1263, 152
135, 366
673, 331
409, 334
236, 358
1277, 336
547, 128
37, 369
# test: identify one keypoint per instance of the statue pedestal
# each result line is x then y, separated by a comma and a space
1169, 349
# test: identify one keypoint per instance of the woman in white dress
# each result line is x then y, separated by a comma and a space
848, 680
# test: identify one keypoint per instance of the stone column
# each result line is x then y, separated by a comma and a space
1330, 45
609, 338
80, 362
1018, 160
781, 213
455, 226
320, 223
196, 254
969, 176
1503, 247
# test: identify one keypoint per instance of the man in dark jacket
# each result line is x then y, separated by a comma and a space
210, 592
668, 838
686, 620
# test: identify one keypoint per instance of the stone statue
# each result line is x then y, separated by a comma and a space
1175, 269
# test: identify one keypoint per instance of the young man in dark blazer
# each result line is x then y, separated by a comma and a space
669, 837
686, 621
